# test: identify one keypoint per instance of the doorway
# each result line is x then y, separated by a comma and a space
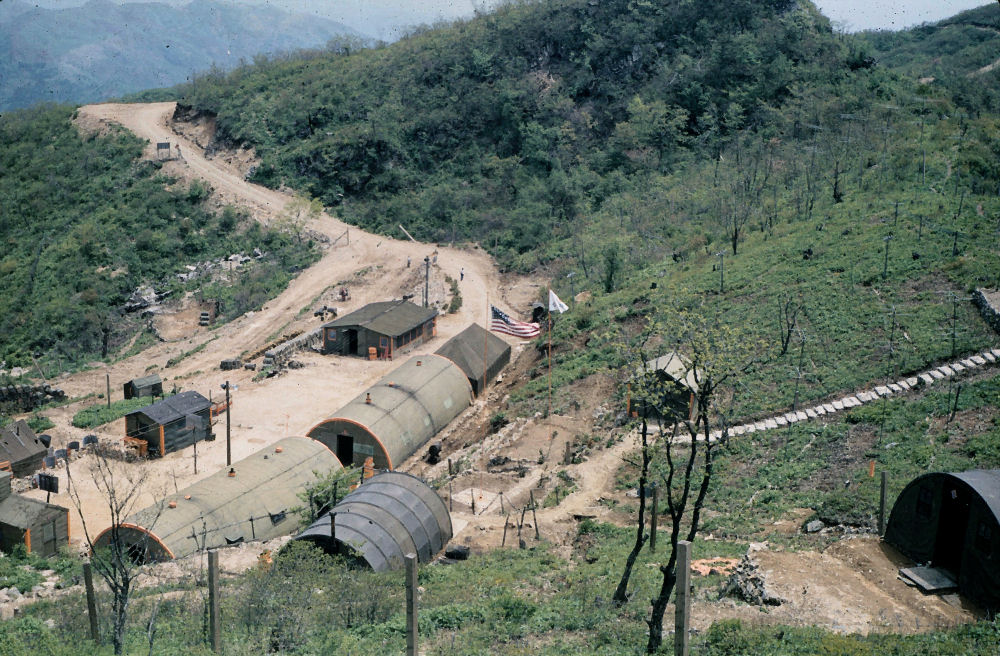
345, 450
352, 341
953, 524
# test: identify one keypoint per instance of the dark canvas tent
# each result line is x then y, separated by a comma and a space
952, 521
254, 503
398, 414
21, 448
390, 327
171, 424
145, 386
477, 352
41, 527
387, 517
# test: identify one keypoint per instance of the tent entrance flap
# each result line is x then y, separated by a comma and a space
345, 449
953, 524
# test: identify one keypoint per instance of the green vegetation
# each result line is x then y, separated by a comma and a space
100, 414
174, 361
85, 222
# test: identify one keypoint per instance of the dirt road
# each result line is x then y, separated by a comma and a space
290, 404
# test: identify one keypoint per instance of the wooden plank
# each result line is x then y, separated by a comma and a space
930, 579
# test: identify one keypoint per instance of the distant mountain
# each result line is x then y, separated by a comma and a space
104, 49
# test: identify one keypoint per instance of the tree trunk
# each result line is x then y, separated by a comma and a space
621, 592
660, 605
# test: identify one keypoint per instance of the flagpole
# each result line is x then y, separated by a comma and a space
550, 357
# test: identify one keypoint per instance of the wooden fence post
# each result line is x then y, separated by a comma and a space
88, 579
881, 507
214, 629
411, 604
682, 619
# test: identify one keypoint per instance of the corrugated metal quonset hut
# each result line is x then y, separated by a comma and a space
398, 414
172, 423
953, 522
41, 527
470, 348
217, 510
389, 516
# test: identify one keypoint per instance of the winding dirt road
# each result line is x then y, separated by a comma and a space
290, 404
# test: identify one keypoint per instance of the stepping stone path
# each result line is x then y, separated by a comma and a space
929, 377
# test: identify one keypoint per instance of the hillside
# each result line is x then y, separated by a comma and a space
733, 181
105, 49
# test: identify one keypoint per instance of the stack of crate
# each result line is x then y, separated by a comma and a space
203, 319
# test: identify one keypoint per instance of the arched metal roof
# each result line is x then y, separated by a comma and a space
952, 522
217, 510
387, 517
402, 411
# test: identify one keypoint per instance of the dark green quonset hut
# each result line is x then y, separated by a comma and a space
398, 414
387, 517
254, 503
479, 353
173, 423
952, 521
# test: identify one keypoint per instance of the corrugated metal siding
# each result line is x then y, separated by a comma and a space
408, 407
390, 515
218, 513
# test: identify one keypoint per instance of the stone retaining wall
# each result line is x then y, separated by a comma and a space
982, 300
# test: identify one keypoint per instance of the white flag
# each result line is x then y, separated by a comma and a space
556, 305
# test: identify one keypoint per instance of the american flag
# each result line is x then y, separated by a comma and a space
502, 323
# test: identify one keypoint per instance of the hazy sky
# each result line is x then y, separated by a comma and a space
892, 15
386, 19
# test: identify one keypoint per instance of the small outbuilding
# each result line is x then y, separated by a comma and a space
387, 517
670, 394
479, 353
172, 423
397, 415
145, 386
252, 500
21, 448
952, 522
42, 528
384, 329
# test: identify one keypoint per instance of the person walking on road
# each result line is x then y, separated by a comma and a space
461, 274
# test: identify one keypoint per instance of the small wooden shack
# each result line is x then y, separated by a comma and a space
382, 329
20, 447
145, 386
669, 395
171, 424
41, 527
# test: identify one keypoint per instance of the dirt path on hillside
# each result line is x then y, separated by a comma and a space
290, 404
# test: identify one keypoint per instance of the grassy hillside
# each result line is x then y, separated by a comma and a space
85, 223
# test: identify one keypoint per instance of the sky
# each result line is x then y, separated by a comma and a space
857, 15
388, 19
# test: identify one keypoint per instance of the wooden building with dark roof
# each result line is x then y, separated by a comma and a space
21, 448
172, 423
388, 327
41, 527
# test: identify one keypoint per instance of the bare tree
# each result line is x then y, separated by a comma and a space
788, 314
621, 592
118, 553
714, 355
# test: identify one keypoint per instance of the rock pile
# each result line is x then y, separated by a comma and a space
747, 582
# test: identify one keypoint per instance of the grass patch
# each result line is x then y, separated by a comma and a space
173, 362
98, 415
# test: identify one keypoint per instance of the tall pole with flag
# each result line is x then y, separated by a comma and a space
555, 305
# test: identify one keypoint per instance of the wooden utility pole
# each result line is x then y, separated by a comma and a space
682, 619
411, 604
214, 628
881, 506
229, 414
88, 580
107, 383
